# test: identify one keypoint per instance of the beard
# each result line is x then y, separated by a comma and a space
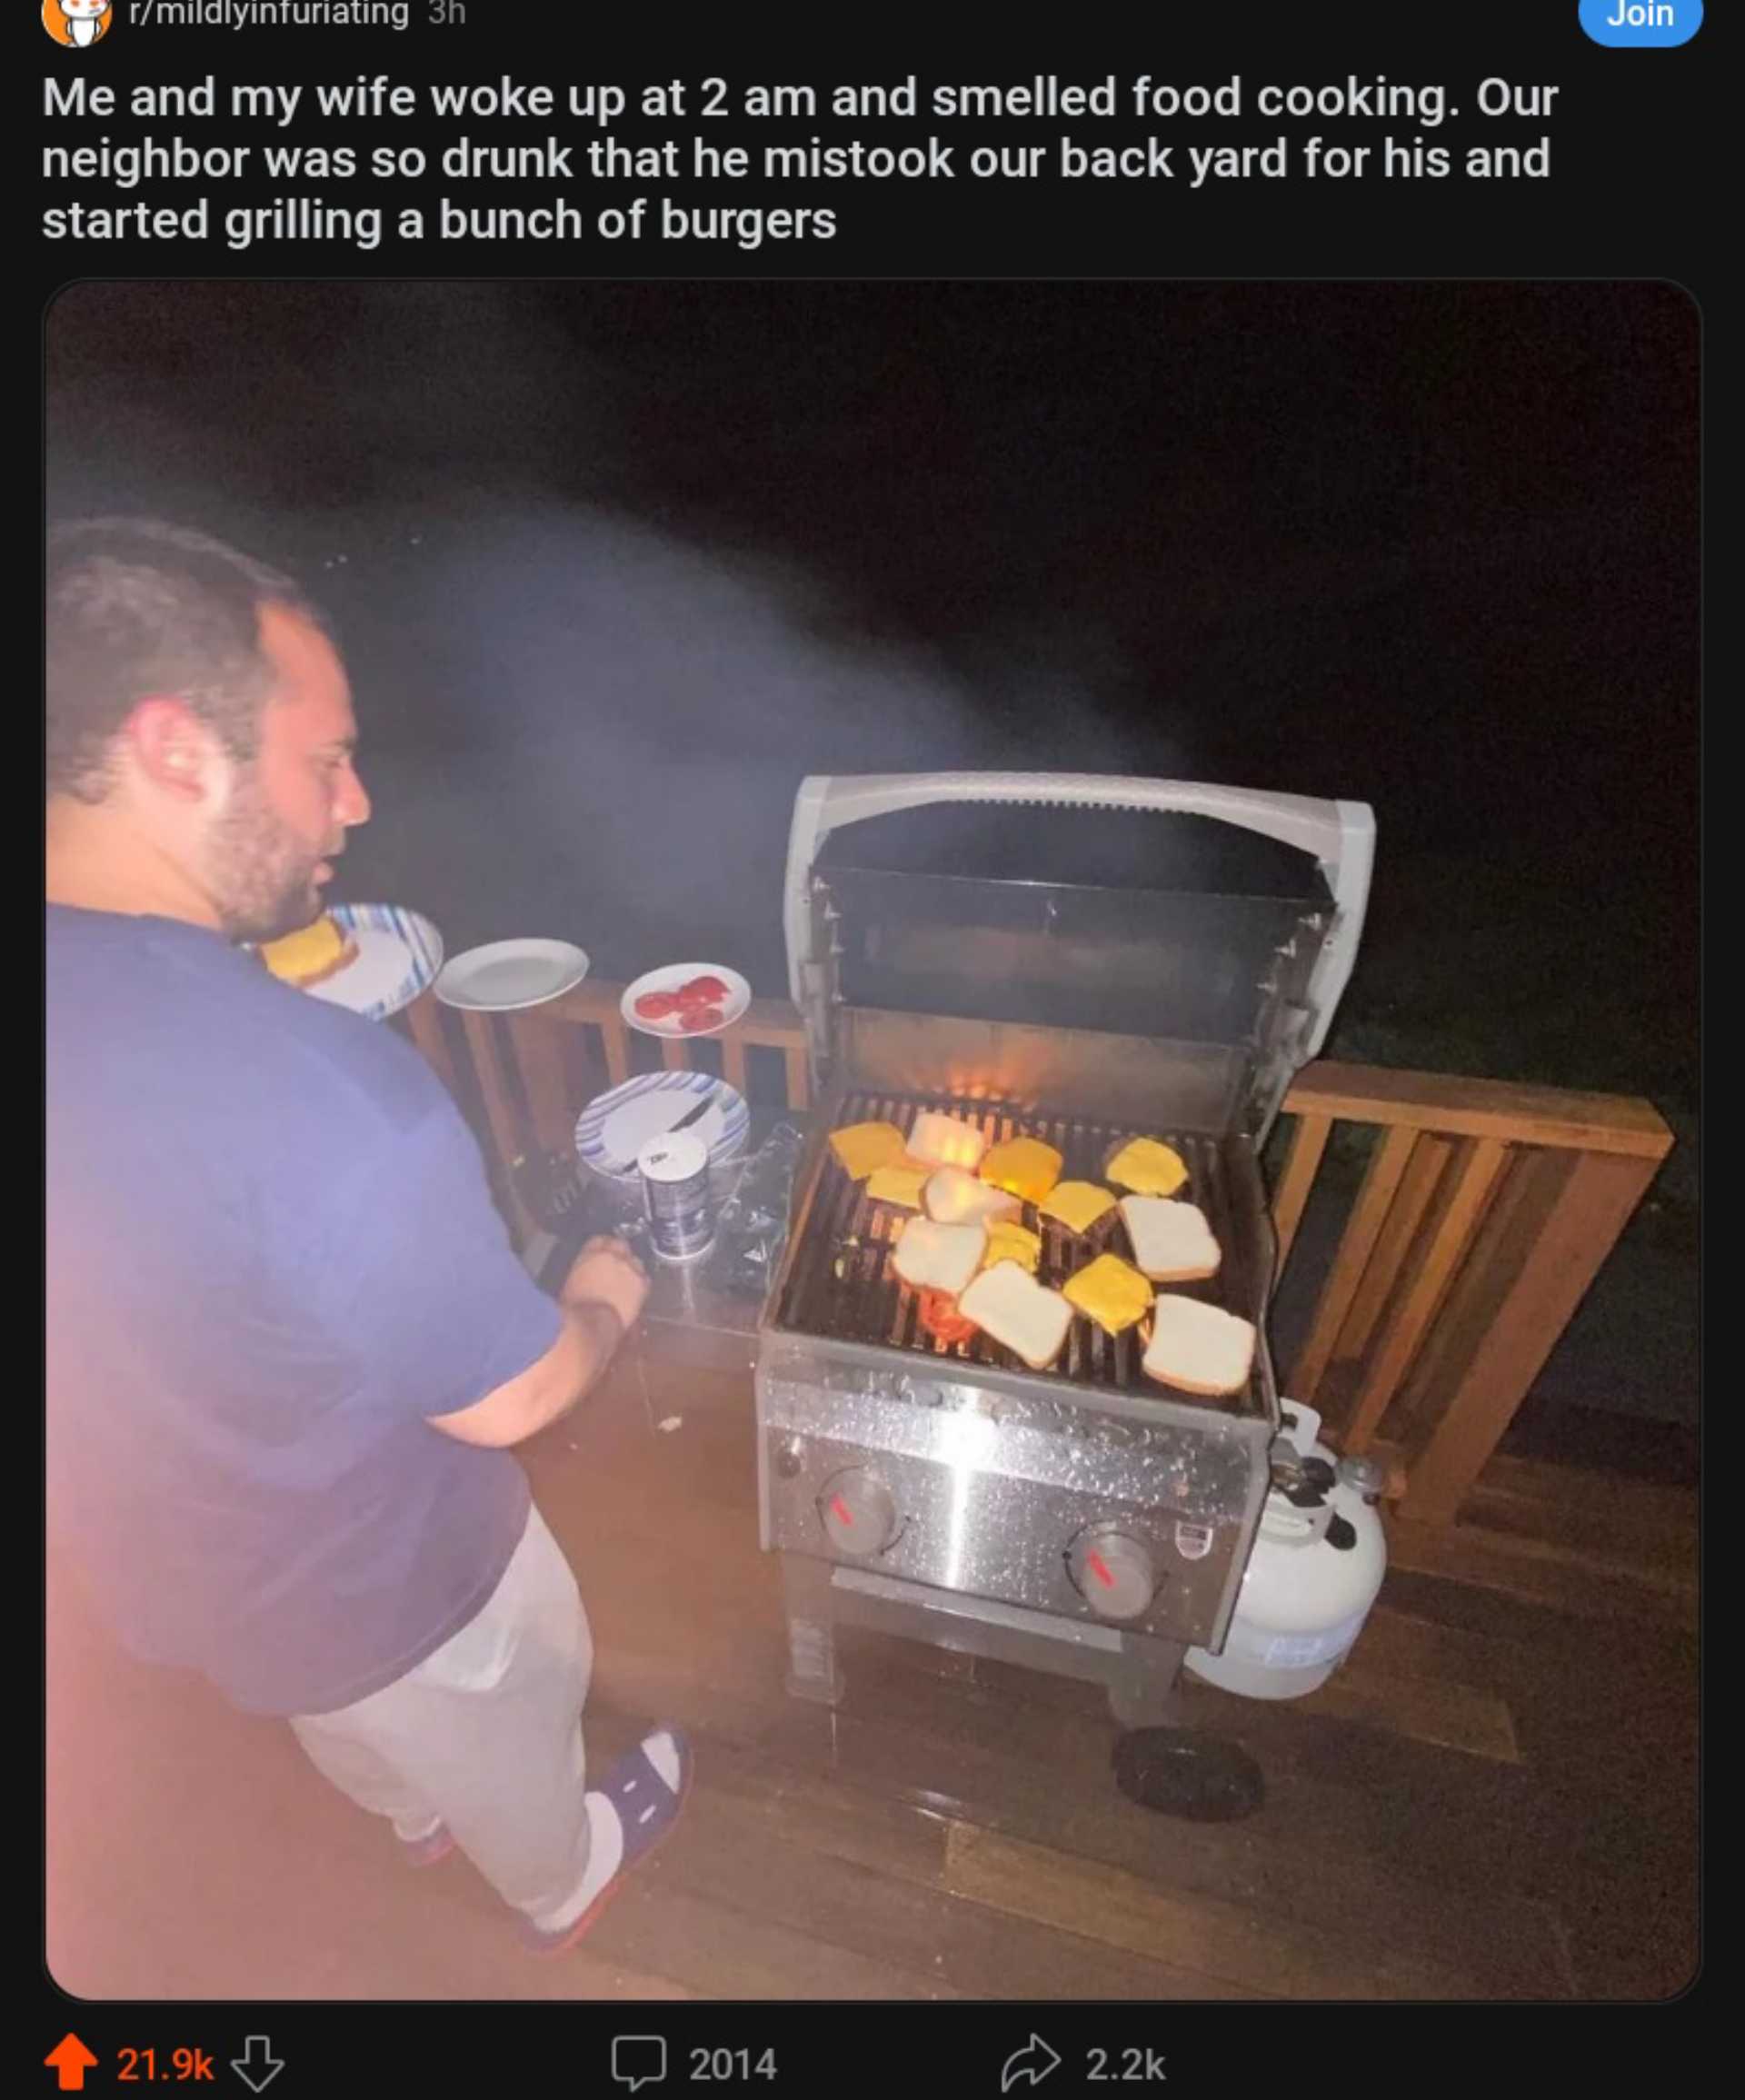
261, 877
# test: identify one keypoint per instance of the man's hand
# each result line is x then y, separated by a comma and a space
607, 1273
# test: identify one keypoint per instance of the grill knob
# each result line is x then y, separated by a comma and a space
859, 1514
1113, 1573
790, 1457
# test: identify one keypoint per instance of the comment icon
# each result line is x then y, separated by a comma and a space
638, 2060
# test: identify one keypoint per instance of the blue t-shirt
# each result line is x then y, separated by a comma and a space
272, 1255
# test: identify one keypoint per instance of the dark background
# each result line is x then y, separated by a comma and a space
1433, 547
617, 564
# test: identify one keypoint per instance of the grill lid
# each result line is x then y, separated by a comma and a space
1190, 914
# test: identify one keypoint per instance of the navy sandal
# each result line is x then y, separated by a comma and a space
647, 1810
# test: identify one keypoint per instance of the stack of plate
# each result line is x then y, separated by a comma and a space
612, 1129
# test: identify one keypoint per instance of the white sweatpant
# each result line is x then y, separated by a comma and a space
484, 1736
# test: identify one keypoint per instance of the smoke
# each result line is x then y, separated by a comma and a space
574, 724
576, 727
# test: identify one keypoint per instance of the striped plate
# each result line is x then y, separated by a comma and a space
613, 1128
399, 954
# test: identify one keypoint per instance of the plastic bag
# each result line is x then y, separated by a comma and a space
753, 1227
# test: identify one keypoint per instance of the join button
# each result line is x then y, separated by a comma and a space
1641, 22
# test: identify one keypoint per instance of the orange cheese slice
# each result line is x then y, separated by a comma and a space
1149, 1168
1112, 1291
1010, 1242
1024, 1167
901, 1185
862, 1147
1077, 1204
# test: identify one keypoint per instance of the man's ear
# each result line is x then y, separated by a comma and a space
173, 750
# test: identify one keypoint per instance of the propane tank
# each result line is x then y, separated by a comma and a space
1316, 1568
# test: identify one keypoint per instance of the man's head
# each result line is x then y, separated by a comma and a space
199, 717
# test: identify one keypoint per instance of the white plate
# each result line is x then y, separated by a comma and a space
399, 955
611, 1131
509, 975
669, 978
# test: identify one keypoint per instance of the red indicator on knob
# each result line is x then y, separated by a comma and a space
841, 1511
1100, 1568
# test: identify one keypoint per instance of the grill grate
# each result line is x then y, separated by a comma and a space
867, 1303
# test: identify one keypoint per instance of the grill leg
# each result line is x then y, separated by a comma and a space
1143, 1683
812, 1671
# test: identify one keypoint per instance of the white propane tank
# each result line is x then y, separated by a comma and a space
1316, 1568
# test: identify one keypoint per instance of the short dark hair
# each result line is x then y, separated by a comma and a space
136, 607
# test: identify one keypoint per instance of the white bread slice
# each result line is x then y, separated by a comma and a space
929, 1256
1198, 1347
1172, 1241
953, 1196
946, 1141
1007, 1304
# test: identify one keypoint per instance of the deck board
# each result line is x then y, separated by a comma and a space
1494, 1799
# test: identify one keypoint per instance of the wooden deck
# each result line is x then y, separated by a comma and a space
1496, 1797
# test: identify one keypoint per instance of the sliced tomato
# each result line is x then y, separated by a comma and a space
657, 1005
695, 1017
938, 1315
706, 990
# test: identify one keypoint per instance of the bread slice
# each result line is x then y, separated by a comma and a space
862, 1147
947, 1141
1025, 1166
1077, 1204
1198, 1347
1172, 1241
929, 1256
1112, 1291
1013, 1308
1010, 1242
954, 1197
1149, 1168
900, 1185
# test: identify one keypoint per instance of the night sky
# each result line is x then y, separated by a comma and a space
1434, 547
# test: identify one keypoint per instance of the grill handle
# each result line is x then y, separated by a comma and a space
1341, 835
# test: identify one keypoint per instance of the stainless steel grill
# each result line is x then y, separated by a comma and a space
840, 1283
1080, 961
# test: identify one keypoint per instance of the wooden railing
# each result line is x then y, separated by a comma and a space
1484, 1210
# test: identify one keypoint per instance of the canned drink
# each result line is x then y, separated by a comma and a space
676, 1196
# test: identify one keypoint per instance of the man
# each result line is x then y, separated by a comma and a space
289, 1345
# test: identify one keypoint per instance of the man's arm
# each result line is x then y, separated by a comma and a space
600, 1301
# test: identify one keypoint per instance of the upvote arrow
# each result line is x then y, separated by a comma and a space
257, 2066
70, 2059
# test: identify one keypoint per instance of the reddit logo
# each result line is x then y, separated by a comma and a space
77, 23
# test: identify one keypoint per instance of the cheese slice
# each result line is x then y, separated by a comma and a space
901, 1185
312, 954
1010, 1242
947, 1141
1112, 1291
933, 1256
954, 1195
862, 1147
1025, 1166
1149, 1168
1077, 1204
1198, 1347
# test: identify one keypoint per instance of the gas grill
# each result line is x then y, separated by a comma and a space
1078, 960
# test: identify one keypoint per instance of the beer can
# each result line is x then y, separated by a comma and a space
677, 1199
